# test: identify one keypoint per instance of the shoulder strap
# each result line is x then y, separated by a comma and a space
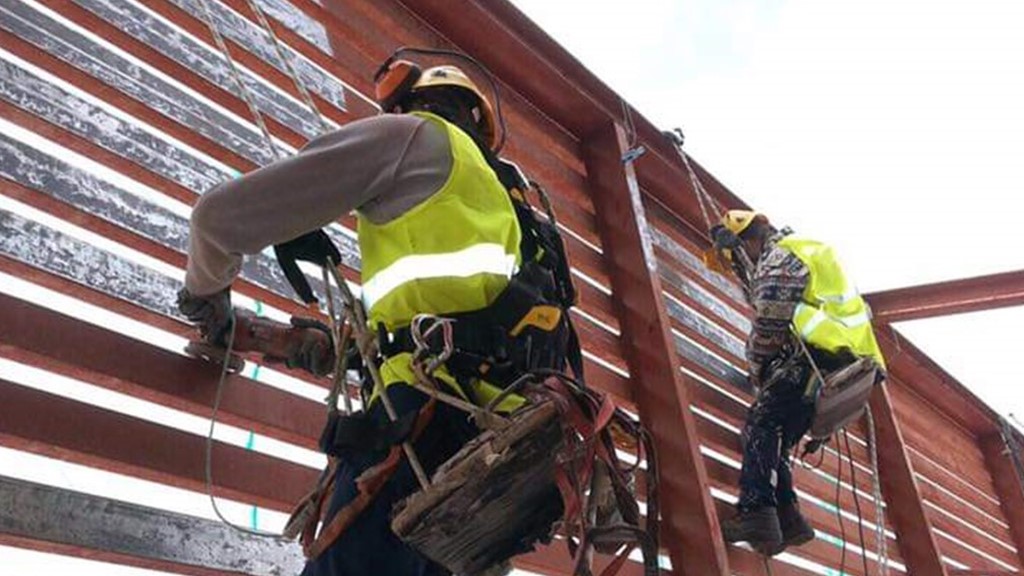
541, 242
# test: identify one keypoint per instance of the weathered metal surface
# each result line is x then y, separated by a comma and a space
916, 539
708, 301
690, 529
690, 261
106, 529
1009, 483
951, 297
722, 370
58, 179
132, 79
929, 380
95, 123
189, 52
251, 36
42, 247
711, 332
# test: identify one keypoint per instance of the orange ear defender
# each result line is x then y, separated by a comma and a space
393, 81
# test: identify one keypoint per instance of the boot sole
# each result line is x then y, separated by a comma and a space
797, 540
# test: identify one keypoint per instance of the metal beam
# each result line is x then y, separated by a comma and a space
40, 337
906, 507
946, 298
57, 427
1009, 483
564, 90
928, 380
691, 530
57, 520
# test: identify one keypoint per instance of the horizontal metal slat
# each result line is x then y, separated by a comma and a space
103, 64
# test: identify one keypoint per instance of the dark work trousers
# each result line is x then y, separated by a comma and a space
368, 547
775, 423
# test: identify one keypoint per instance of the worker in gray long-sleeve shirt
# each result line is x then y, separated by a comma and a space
438, 235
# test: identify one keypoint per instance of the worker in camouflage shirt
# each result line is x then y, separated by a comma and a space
792, 287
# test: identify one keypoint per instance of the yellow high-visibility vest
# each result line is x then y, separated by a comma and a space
833, 316
455, 252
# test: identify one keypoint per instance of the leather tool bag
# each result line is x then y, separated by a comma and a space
843, 397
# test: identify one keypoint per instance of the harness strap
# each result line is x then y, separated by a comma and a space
368, 485
588, 416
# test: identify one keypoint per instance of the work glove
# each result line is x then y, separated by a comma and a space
211, 314
315, 350
724, 238
315, 247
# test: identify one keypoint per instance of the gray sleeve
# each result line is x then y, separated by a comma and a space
368, 163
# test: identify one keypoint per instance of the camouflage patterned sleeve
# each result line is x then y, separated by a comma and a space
778, 286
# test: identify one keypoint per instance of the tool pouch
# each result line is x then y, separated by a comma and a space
843, 396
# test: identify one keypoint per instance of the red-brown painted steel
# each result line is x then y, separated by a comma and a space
906, 511
58, 427
929, 380
563, 89
691, 529
945, 298
40, 337
1009, 486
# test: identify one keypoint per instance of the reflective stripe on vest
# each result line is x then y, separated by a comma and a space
478, 259
833, 316
818, 316
453, 252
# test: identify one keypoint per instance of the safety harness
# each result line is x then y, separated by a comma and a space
528, 326
525, 331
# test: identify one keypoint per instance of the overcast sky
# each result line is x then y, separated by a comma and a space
891, 129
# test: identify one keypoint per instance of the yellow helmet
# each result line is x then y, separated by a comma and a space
719, 258
736, 221
448, 75
398, 78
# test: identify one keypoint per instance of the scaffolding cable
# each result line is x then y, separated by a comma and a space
244, 91
290, 70
839, 509
876, 486
856, 503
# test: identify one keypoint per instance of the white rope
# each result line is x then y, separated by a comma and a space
289, 68
698, 187
237, 76
880, 536
208, 456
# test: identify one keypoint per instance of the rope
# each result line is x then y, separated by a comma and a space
876, 485
208, 459
289, 69
340, 333
1012, 449
237, 76
839, 509
856, 503
698, 187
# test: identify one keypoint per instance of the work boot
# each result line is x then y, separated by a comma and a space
760, 528
795, 529
499, 569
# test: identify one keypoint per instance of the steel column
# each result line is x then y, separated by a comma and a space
906, 507
945, 298
1009, 486
691, 530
